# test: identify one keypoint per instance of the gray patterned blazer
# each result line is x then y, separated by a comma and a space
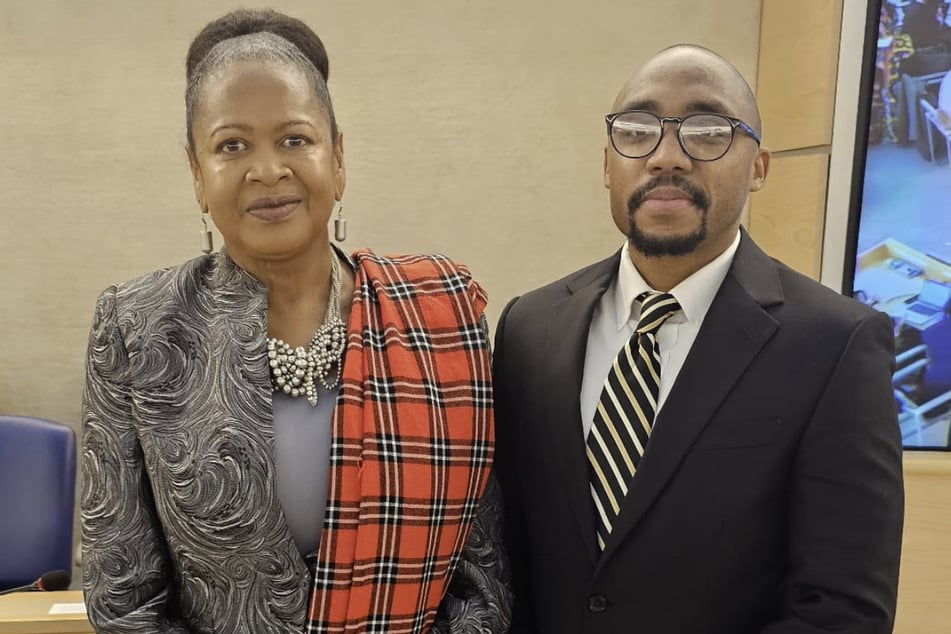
182, 527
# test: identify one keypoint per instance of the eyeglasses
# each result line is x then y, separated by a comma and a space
703, 137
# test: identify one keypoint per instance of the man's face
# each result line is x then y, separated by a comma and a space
667, 203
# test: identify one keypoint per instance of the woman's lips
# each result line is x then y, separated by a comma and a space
275, 213
273, 209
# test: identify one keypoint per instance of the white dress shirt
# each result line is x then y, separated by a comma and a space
615, 319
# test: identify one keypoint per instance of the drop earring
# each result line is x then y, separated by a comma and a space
340, 225
207, 246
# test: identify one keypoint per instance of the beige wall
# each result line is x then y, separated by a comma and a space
471, 128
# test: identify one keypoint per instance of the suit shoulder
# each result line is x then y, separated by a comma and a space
814, 301
542, 297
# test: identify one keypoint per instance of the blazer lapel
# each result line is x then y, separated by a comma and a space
240, 324
567, 337
734, 330
238, 303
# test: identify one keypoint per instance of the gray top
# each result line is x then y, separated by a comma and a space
302, 458
302, 455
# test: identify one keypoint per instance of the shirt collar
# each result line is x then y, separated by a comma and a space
694, 294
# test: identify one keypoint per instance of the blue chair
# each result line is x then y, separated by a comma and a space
37, 496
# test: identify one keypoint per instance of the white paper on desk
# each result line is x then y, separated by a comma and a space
68, 608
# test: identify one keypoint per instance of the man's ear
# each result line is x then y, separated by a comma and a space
760, 170
607, 174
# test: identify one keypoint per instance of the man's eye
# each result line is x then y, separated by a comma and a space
709, 135
636, 131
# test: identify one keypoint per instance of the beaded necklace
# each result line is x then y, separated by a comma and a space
294, 370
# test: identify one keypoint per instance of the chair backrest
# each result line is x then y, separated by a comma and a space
37, 497
938, 116
944, 93
930, 111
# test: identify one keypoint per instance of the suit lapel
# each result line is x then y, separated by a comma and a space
734, 331
566, 339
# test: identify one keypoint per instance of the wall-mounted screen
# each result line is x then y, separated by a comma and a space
898, 245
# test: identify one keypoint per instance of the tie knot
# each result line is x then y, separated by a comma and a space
655, 309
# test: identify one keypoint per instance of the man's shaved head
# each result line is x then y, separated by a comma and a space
709, 66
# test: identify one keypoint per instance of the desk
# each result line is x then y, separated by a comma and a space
891, 274
887, 290
28, 613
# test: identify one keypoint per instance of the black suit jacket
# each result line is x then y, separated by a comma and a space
770, 496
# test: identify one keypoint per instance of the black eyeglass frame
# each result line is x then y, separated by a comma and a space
733, 121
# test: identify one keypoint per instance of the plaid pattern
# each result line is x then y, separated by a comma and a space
413, 434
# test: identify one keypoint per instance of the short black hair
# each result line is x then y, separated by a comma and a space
256, 34
248, 21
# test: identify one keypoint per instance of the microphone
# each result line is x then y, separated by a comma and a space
51, 581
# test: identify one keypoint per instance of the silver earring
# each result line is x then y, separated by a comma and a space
206, 241
340, 225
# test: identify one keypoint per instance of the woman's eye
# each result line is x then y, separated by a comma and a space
295, 141
231, 146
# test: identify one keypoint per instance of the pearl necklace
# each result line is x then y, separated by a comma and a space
293, 370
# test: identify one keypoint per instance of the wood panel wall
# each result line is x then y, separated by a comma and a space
796, 79
799, 42
924, 592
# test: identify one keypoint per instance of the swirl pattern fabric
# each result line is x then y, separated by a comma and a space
182, 527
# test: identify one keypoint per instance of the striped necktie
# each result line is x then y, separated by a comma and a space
625, 414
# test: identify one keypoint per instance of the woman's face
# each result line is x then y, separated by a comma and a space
264, 163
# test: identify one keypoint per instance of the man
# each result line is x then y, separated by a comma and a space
922, 23
769, 496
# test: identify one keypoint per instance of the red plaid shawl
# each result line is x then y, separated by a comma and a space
412, 446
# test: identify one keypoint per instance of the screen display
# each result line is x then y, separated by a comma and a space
902, 224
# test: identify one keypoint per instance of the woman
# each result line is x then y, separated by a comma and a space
279, 437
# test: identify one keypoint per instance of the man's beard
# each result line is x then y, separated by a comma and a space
653, 246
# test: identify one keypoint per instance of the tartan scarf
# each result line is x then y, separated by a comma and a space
412, 446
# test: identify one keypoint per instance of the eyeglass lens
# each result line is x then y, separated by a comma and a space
705, 137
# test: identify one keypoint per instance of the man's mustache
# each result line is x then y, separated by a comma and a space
696, 195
